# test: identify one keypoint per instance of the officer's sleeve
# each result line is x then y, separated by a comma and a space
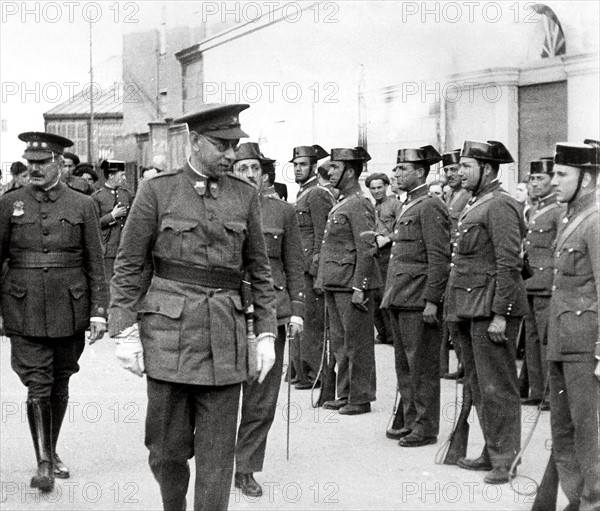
94, 261
366, 273
256, 264
435, 227
137, 240
320, 202
106, 220
5, 215
505, 230
293, 263
592, 239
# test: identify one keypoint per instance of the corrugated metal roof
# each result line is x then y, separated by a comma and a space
111, 103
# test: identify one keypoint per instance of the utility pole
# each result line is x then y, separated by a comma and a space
91, 92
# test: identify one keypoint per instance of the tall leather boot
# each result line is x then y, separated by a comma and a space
59, 408
39, 414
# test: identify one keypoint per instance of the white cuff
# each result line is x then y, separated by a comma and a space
98, 319
297, 320
266, 335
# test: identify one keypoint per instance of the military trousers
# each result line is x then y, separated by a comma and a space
259, 404
109, 268
383, 322
536, 342
491, 371
351, 331
311, 340
417, 349
44, 365
185, 421
574, 406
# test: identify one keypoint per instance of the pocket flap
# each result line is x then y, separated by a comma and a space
77, 291
178, 224
469, 282
276, 233
167, 304
577, 306
238, 227
72, 218
16, 291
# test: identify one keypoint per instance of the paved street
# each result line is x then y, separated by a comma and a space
336, 462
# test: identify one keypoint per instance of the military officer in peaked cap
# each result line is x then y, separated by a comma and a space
53, 290
416, 281
486, 293
573, 334
349, 274
545, 218
313, 203
113, 202
284, 247
456, 201
203, 229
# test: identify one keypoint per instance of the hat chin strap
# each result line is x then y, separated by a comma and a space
341, 177
578, 189
476, 189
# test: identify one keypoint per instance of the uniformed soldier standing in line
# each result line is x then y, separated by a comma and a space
323, 180
545, 218
203, 228
387, 209
113, 201
573, 332
284, 246
456, 202
313, 203
486, 292
415, 285
349, 274
53, 290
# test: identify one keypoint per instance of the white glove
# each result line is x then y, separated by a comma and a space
130, 351
296, 325
265, 354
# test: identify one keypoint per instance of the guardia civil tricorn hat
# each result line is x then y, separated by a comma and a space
577, 155
42, 145
542, 166
491, 151
316, 152
451, 158
219, 120
345, 154
250, 151
426, 154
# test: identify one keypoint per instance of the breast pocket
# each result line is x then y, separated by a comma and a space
542, 237
471, 236
236, 235
577, 325
177, 237
407, 229
304, 219
71, 226
23, 228
573, 260
274, 241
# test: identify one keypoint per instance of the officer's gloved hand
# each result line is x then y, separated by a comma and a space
359, 300
296, 326
265, 354
130, 351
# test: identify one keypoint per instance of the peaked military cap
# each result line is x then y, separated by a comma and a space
311, 151
426, 154
356, 154
250, 151
577, 155
491, 151
42, 145
451, 158
109, 166
220, 120
542, 166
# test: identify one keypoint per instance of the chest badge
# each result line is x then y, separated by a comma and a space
214, 190
200, 187
18, 208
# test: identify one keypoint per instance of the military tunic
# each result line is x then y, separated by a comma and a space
348, 262
259, 401
456, 203
418, 273
203, 235
106, 199
573, 352
313, 203
386, 213
541, 234
485, 279
54, 281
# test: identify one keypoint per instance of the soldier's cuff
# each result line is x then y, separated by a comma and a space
98, 319
266, 336
297, 320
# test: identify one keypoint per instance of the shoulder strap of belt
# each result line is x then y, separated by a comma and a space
564, 235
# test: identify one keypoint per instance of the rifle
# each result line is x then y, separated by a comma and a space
545, 500
459, 438
327, 367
